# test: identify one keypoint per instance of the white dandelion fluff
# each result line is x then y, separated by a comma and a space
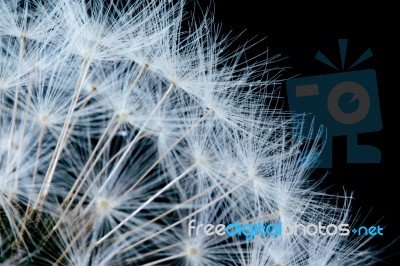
121, 124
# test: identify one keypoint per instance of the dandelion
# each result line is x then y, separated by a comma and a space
119, 125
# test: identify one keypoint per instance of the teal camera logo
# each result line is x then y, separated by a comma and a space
346, 103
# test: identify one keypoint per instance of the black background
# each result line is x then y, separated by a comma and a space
297, 30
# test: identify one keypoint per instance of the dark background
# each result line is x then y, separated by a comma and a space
297, 30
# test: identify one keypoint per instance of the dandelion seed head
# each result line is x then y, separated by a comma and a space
201, 161
104, 205
252, 173
44, 119
124, 117
193, 252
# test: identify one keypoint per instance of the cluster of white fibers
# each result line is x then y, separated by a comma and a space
121, 123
